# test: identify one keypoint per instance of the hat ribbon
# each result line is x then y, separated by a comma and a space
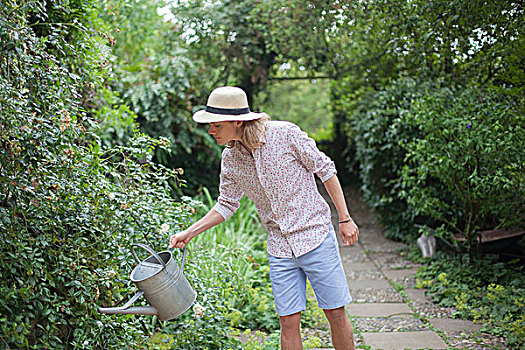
228, 111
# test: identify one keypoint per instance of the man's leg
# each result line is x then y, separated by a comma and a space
342, 334
291, 332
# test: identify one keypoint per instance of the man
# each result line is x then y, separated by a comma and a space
274, 163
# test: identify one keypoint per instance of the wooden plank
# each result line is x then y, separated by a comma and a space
494, 235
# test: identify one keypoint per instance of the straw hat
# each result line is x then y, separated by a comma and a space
226, 103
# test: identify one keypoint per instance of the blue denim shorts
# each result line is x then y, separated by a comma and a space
323, 268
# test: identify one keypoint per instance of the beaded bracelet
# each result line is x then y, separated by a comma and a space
345, 221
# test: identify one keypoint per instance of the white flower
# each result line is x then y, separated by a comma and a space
164, 228
111, 196
199, 310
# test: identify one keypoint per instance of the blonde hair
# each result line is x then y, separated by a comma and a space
251, 132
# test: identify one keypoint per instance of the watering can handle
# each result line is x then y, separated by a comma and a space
183, 258
154, 253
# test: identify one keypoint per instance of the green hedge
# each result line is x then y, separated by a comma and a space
159, 81
377, 135
466, 168
69, 206
445, 157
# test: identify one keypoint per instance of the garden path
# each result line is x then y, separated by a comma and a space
385, 317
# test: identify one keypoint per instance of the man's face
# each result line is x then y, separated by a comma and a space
225, 132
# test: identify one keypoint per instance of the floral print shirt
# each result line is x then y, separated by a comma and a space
279, 178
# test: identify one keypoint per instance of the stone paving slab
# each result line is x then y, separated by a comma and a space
404, 340
391, 261
349, 259
352, 274
452, 325
374, 255
399, 274
475, 341
379, 310
417, 295
362, 266
363, 275
368, 284
383, 246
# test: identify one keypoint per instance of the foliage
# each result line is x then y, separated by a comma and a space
380, 135
80, 182
257, 340
230, 39
304, 103
160, 82
445, 157
207, 326
473, 42
465, 168
69, 206
371, 44
487, 292
116, 123
340, 40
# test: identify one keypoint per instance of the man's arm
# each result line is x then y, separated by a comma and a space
347, 227
212, 218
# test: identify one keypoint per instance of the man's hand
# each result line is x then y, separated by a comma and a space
182, 238
349, 232
179, 240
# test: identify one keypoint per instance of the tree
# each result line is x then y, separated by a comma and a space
163, 85
230, 39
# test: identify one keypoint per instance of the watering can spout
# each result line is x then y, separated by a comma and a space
127, 310
136, 310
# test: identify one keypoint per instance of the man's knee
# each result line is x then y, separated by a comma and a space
290, 322
336, 315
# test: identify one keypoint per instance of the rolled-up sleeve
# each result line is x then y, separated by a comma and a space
229, 196
309, 155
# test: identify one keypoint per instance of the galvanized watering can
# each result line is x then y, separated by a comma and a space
162, 283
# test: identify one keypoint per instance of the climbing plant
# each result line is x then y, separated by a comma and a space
69, 205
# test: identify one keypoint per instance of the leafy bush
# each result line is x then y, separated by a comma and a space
379, 133
465, 169
445, 157
69, 206
487, 292
206, 325
163, 87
